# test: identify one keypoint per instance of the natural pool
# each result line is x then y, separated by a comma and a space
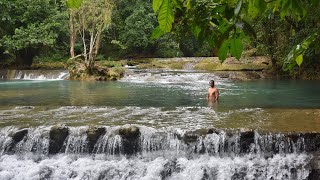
179, 136
163, 98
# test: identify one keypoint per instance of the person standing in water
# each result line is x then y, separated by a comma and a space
213, 92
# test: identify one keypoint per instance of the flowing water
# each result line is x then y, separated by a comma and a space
169, 108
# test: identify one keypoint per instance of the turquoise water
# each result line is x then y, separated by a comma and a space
164, 106
256, 94
163, 99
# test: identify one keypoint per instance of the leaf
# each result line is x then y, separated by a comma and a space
156, 4
176, 4
238, 8
253, 11
236, 47
295, 56
196, 31
165, 16
156, 33
189, 4
299, 59
248, 29
74, 4
223, 50
256, 7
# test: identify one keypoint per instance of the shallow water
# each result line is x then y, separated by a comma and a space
164, 105
159, 98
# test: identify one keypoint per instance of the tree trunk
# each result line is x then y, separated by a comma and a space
97, 45
72, 33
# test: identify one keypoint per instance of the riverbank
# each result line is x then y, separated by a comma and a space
247, 68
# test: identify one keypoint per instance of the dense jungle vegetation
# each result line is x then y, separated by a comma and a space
288, 31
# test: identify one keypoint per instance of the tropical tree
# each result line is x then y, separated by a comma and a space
27, 26
89, 19
225, 23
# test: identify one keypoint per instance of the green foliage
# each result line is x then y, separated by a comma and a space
33, 35
29, 26
167, 47
296, 54
221, 23
74, 4
165, 15
137, 29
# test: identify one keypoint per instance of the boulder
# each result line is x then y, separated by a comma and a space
93, 134
312, 141
16, 138
129, 132
130, 139
314, 167
192, 136
19, 135
246, 139
57, 136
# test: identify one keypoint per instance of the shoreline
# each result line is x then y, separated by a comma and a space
245, 69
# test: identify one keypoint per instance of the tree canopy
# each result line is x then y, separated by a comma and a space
225, 23
285, 30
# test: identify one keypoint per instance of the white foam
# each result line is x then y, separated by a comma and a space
103, 167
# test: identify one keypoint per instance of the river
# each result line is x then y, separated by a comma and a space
246, 135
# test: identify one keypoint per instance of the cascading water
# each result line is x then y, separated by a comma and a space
155, 124
35, 74
140, 152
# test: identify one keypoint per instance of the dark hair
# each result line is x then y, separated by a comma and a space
211, 81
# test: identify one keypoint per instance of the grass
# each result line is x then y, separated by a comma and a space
167, 64
213, 64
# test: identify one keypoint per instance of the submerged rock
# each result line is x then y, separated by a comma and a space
19, 135
314, 167
93, 134
16, 138
130, 139
130, 131
192, 136
246, 139
169, 168
312, 141
57, 136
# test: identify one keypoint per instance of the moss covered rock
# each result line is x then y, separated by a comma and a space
57, 136
78, 71
93, 134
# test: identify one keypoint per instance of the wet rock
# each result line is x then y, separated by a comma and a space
246, 139
16, 138
213, 130
3, 74
209, 173
93, 134
192, 136
239, 174
57, 135
24, 107
312, 141
293, 137
314, 167
130, 131
45, 173
130, 139
169, 168
19, 135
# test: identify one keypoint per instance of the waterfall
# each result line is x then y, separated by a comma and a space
34, 74
140, 152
